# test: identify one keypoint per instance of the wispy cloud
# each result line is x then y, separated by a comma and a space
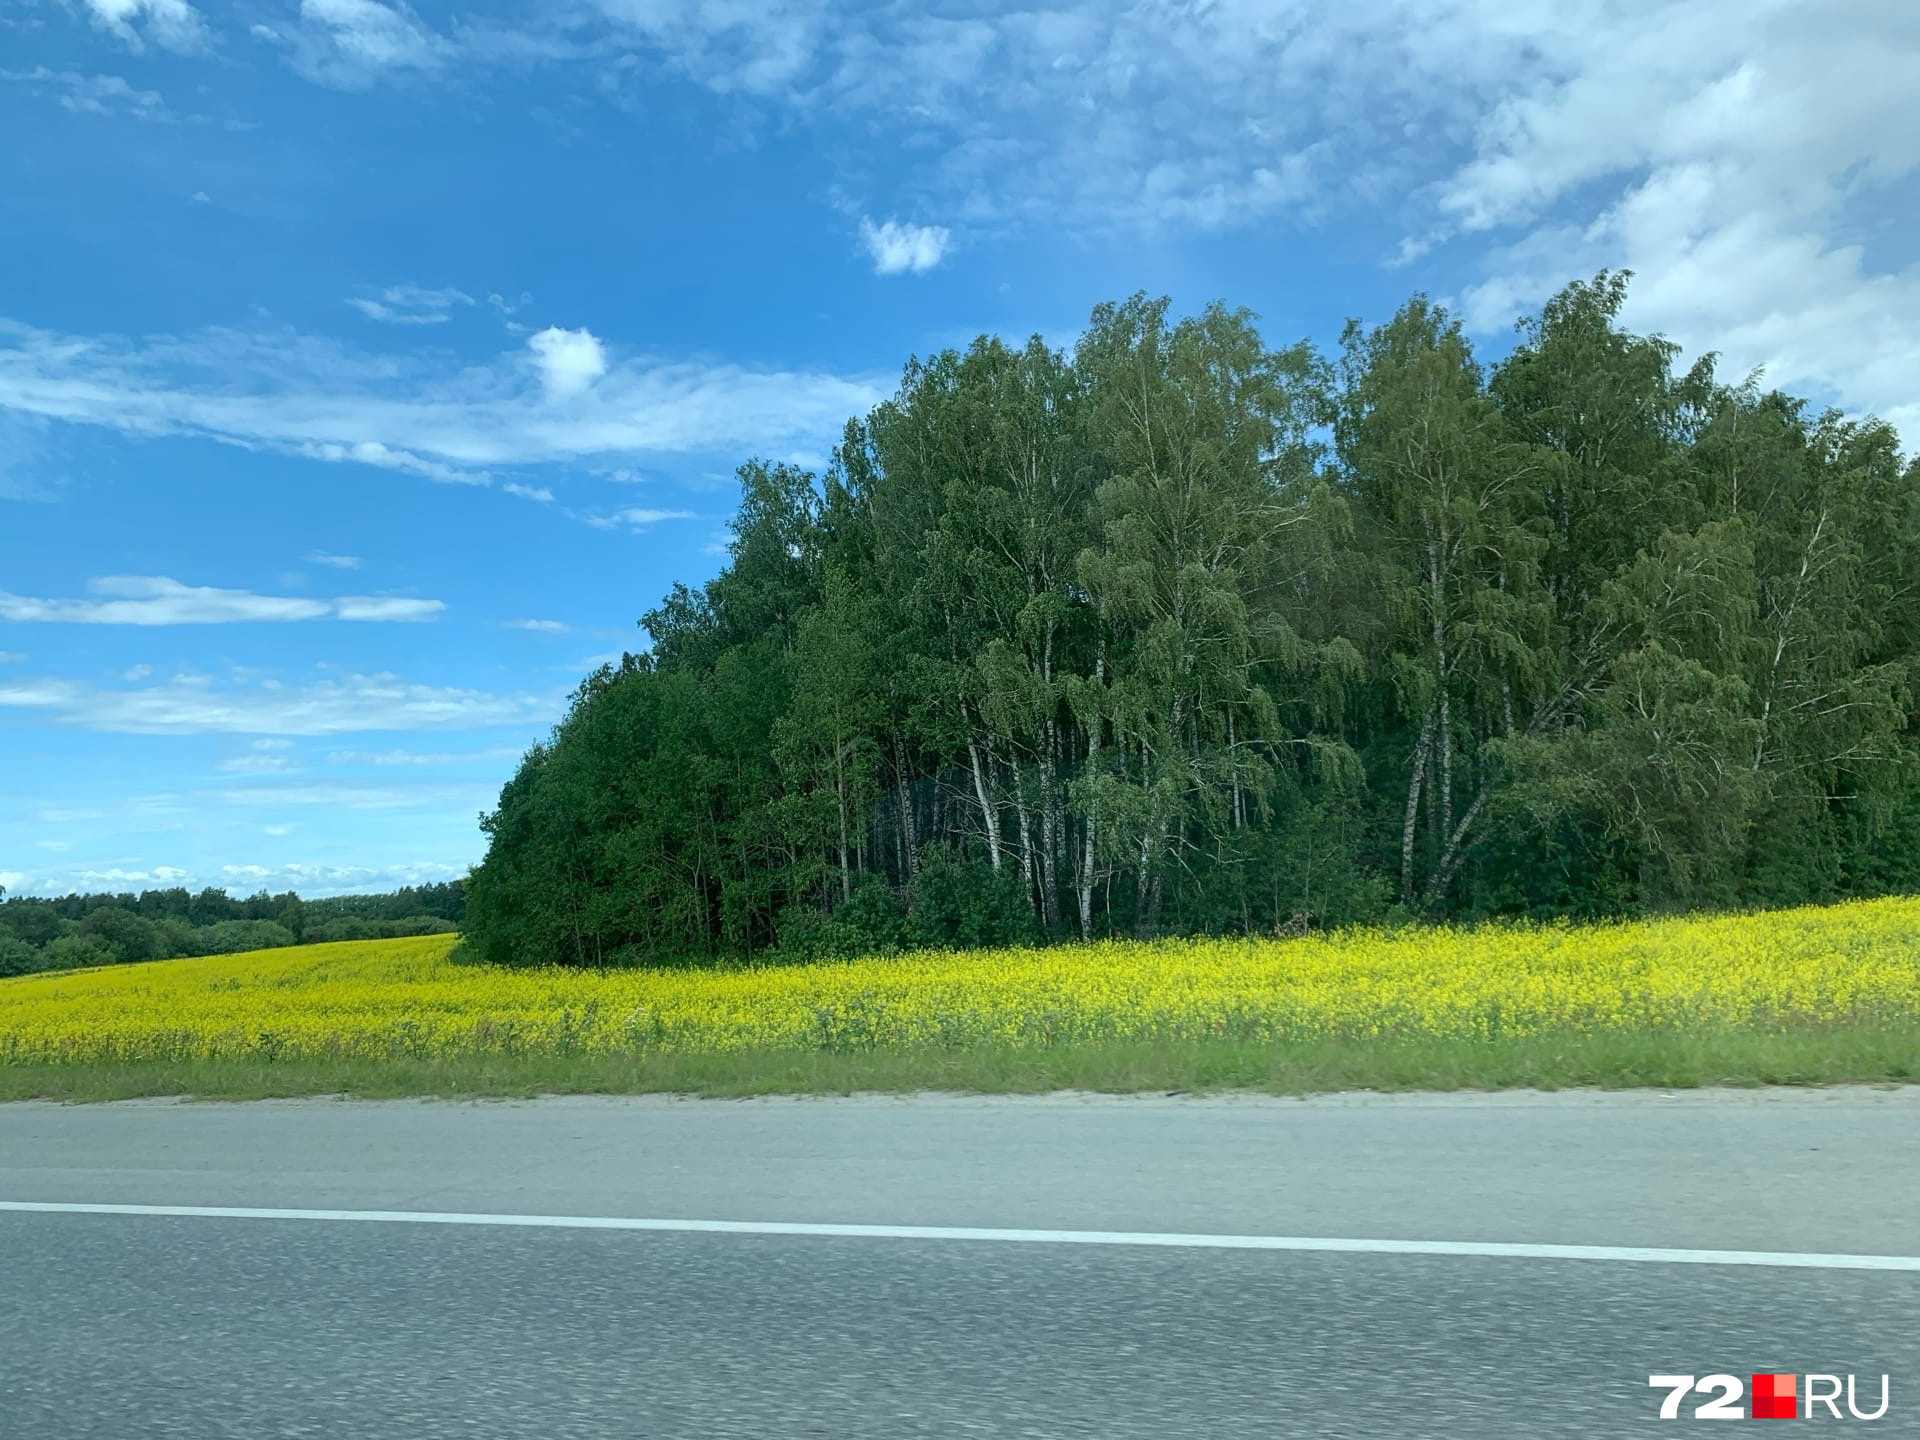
336, 562
158, 600
631, 517
1733, 156
1743, 156
427, 414
306, 879
338, 879
351, 44
544, 627
417, 758
170, 24
411, 305
903, 249
386, 457
255, 764
195, 706
92, 94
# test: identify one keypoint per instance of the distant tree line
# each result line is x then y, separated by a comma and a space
70, 931
1179, 632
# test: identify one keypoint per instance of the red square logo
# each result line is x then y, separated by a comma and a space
1773, 1398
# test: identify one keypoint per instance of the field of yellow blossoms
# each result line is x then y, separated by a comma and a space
1835, 967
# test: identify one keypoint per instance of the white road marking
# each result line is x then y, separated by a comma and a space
1493, 1249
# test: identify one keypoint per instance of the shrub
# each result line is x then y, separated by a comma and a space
77, 950
231, 937
17, 957
961, 902
868, 922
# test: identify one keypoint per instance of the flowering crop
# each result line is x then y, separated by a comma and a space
1844, 965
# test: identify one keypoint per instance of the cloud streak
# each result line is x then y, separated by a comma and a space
170, 24
306, 879
568, 398
92, 94
411, 305
354, 703
158, 600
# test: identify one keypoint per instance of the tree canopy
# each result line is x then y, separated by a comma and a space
1179, 632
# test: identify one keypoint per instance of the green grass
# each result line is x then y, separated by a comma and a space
1668, 1061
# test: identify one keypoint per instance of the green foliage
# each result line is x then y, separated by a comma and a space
868, 921
17, 957
38, 933
1183, 632
961, 903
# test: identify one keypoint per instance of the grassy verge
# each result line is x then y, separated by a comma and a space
1873, 1056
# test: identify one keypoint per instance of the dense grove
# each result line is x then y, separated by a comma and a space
71, 931
1178, 632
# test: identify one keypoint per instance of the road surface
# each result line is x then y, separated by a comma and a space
1129, 1287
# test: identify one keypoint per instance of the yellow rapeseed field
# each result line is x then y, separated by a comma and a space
1855, 964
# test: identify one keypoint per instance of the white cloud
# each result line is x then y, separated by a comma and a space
8, 657
386, 607
413, 758
632, 517
411, 305
373, 452
337, 562
1080, 114
420, 413
277, 831
113, 878
170, 24
255, 764
569, 361
136, 672
899, 249
54, 845
92, 94
350, 44
307, 879
158, 600
1735, 159
545, 627
539, 493
1752, 160
194, 706
339, 879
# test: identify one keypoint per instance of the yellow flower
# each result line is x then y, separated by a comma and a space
1828, 967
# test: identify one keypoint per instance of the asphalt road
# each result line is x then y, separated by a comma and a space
134, 1325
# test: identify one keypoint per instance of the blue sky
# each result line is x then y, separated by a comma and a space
366, 371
